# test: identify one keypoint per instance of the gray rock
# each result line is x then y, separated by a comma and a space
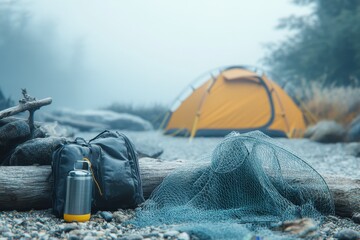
353, 134
151, 235
39, 224
347, 234
35, 151
353, 149
8, 234
113, 236
126, 121
69, 227
171, 233
26, 235
132, 237
43, 236
18, 221
183, 236
148, 150
356, 218
54, 129
4, 229
101, 119
7, 120
73, 237
34, 234
81, 125
38, 133
326, 132
78, 232
100, 233
121, 216
12, 134
106, 226
107, 216
89, 237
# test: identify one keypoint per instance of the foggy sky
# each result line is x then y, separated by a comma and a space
143, 52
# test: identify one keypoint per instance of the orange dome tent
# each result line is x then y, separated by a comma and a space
236, 99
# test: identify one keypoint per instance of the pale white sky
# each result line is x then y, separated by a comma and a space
147, 51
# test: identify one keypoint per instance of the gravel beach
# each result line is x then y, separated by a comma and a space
336, 159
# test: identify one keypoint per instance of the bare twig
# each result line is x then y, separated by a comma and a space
28, 103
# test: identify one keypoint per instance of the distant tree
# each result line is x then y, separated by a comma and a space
325, 45
31, 58
4, 102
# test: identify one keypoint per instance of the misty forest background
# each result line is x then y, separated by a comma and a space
318, 65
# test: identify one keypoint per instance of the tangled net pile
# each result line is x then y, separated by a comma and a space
249, 180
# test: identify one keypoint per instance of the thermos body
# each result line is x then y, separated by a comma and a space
78, 196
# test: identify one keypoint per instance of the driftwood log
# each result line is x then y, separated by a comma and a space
29, 187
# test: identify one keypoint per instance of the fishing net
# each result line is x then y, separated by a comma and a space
248, 179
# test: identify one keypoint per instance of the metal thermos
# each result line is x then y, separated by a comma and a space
78, 193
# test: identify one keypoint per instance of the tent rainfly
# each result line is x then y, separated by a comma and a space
235, 99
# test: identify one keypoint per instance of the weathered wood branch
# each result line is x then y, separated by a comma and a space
27, 106
27, 187
27, 103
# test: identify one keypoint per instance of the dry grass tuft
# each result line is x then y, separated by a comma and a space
341, 104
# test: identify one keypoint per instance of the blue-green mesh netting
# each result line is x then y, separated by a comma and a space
248, 179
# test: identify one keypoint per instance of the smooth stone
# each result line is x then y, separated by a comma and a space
183, 236
89, 238
4, 229
77, 232
34, 234
113, 236
70, 227
45, 237
354, 130
8, 234
18, 221
347, 234
39, 225
353, 149
26, 235
148, 150
53, 238
171, 233
150, 235
132, 237
35, 151
100, 119
356, 218
108, 216
74, 237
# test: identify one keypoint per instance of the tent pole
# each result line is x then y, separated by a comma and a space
196, 120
